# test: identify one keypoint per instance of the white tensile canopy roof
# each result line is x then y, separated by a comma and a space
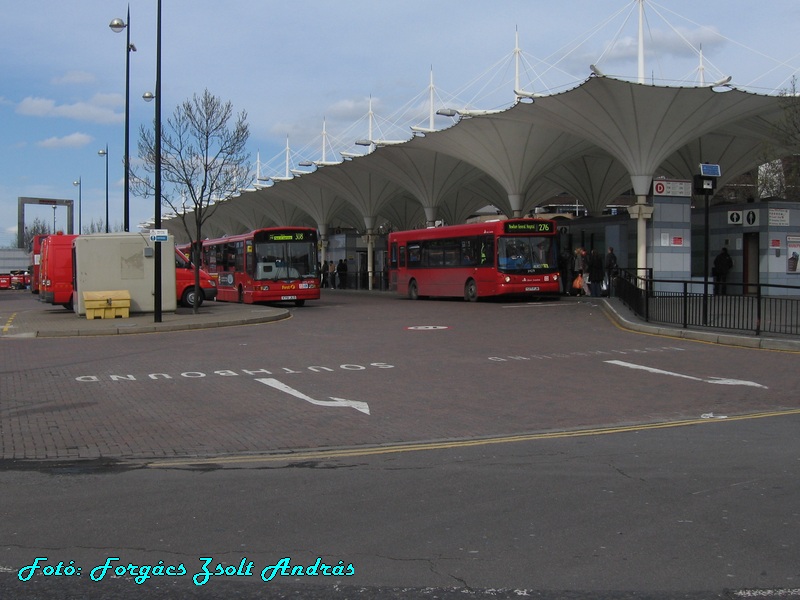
596, 141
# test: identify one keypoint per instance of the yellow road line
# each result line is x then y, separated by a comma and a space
7, 326
448, 445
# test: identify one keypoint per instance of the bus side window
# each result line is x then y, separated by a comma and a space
393, 256
402, 257
414, 255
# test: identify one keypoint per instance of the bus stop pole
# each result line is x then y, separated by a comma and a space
706, 250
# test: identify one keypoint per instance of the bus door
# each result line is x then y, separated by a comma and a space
251, 260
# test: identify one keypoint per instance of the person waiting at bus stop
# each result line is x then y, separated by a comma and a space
341, 270
595, 265
723, 263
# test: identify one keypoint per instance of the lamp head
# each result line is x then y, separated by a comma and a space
117, 25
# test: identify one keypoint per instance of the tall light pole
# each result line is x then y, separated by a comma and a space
78, 183
157, 167
105, 153
157, 315
117, 25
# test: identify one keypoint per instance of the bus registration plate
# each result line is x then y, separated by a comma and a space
532, 289
288, 297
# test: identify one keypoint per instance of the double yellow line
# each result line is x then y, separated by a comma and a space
449, 445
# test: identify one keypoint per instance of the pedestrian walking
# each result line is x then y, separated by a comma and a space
611, 269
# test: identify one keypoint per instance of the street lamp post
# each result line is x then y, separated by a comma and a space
78, 183
105, 153
117, 25
157, 168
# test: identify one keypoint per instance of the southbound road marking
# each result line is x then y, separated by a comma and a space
718, 380
359, 406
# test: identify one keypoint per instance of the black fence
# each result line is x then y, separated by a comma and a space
739, 307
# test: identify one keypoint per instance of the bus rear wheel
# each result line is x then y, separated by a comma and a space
471, 291
413, 291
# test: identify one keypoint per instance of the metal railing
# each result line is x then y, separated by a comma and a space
744, 307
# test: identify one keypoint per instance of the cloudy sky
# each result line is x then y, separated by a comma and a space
294, 65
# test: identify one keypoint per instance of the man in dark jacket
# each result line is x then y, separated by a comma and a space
341, 270
723, 263
595, 272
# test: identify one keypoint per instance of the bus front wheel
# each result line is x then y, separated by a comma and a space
413, 291
471, 291
188, 298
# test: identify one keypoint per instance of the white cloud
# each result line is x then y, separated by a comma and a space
73, 140
97, 111
74, 77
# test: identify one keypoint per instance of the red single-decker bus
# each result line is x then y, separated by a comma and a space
515, 257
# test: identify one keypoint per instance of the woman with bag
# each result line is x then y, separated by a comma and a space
579, 268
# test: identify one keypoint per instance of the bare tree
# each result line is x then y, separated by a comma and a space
38, 227
203, 161
99, 226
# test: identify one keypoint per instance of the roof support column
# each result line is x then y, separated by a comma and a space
641, 212
323, 243
369, 222
516, 204
430, 215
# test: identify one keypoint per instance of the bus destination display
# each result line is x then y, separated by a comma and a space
294, 236
529, 227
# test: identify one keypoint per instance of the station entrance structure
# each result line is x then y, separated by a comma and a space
22, 201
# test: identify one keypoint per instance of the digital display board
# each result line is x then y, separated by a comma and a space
707, 170
539, 227
290, 236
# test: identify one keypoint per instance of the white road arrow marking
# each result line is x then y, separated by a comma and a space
717, 380
359, 406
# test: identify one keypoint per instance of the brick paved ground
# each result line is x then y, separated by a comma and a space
492, 370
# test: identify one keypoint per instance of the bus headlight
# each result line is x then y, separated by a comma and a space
508, 279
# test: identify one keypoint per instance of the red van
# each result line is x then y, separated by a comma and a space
184, 282
56, 275
55, 270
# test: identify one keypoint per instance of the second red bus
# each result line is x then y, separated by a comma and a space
516, 257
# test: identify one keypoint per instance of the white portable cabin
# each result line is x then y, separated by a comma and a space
124, 261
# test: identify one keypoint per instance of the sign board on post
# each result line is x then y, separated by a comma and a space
159, 235
671, 187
